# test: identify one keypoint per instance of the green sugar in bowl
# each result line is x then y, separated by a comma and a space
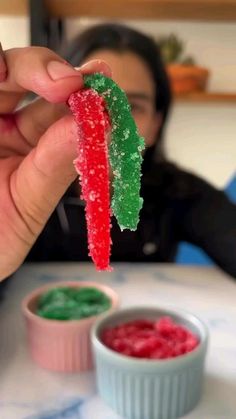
68, 303
59, 317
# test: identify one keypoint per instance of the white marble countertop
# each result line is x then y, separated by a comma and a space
29, 392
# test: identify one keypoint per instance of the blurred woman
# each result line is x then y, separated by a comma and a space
178, 206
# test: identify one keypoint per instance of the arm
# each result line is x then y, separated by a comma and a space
209, 221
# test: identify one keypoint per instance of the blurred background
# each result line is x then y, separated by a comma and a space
198, 41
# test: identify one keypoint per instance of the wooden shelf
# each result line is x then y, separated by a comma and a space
207, 97
197, 10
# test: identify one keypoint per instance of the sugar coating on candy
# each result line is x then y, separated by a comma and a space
93, 167
124, 151
150, 339
68, 303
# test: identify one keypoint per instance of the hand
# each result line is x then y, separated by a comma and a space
37, 145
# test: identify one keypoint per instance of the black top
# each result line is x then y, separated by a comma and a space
178, 206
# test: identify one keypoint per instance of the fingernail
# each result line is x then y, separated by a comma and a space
1, 51
58, 70
101, 66
3, 67
88, 66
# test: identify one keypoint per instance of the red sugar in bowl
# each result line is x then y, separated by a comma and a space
154, 339
150, 361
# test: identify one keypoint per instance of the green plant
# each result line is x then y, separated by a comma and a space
172, 49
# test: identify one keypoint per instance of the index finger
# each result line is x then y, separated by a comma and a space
38, 70
3, 66
41, 71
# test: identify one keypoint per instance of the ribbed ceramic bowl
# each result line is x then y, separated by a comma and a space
149, 389
62, 345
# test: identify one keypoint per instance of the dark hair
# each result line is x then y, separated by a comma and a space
118, 37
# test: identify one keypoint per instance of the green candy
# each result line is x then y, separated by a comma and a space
67, 303
124, 151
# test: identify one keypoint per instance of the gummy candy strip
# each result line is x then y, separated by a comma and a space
124, 151
93, 167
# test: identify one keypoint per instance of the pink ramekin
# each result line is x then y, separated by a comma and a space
62, 345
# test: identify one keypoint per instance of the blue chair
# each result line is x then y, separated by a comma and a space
231, 189
189, 254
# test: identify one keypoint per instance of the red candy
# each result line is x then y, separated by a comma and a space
93, 167
159, 339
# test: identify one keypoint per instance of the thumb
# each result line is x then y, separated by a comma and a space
45, 174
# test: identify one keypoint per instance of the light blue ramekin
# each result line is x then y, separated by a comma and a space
149, 389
